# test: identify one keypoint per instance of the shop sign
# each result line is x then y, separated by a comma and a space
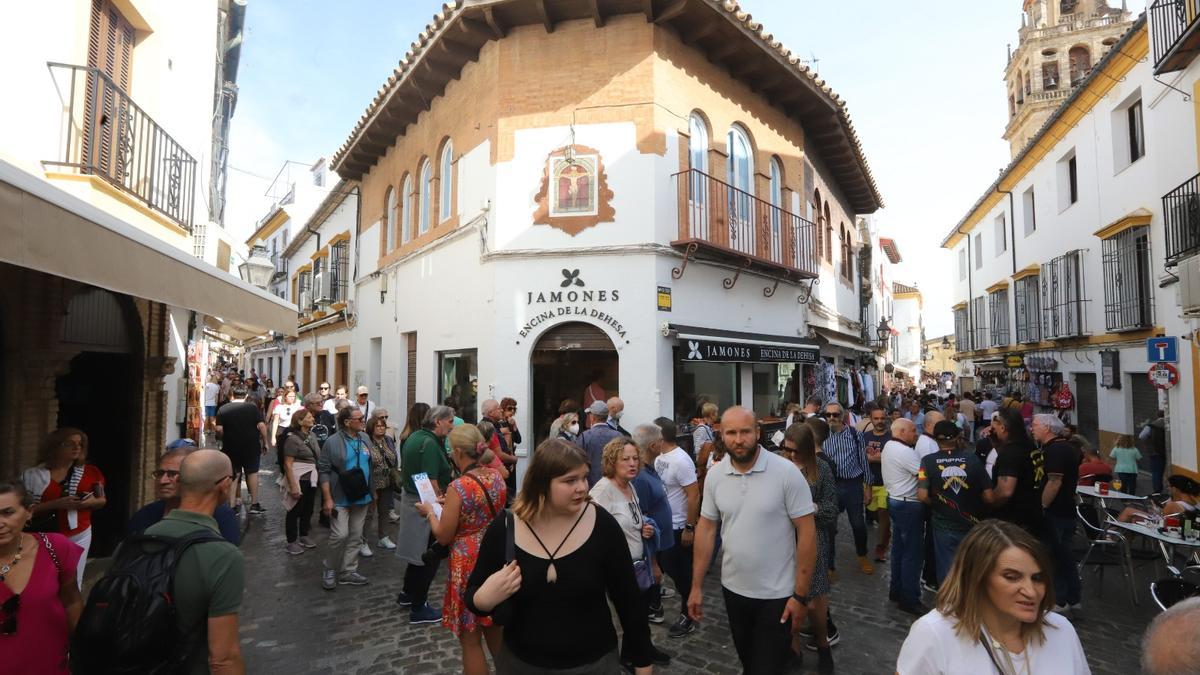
1162, 350
738, 352
1014, 361
1164, 375
664, 299
571, 289
1110, 369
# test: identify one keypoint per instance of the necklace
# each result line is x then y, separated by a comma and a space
5, 569
551, 573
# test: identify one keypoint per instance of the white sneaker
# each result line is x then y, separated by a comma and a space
386, 544
365, 551
393, 517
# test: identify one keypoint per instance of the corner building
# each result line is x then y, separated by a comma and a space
643, 192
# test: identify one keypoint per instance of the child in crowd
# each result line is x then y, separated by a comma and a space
1126, 456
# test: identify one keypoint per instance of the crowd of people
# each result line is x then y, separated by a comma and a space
973, 501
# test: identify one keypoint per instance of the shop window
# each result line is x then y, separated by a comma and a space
697, 383
458, 373
770, 381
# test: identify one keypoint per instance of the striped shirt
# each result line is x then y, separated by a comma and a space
848, 452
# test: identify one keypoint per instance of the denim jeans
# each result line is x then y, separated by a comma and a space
908, 548
1067, 586
850, 500
1128, 483
676, 562
945, 543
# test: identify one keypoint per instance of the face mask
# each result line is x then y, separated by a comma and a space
574, 428
617, 416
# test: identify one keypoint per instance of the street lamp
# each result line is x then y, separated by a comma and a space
258, 268
946, 342
884, 331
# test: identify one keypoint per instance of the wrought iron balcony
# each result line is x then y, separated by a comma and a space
717, 220
281, 268
1175, 33
107, 135
1181, 213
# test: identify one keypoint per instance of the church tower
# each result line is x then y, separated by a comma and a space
1058, 42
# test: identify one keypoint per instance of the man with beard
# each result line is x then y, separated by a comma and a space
769, 544
875, 436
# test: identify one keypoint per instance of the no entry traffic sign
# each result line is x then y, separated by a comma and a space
1163, 375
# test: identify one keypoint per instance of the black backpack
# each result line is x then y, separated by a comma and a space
129, 624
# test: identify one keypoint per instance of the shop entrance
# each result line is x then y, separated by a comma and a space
1085, 402
99, 394
565, 360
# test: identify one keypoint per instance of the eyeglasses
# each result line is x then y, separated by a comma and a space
8, 615
832, 414
383, 417
324, 388
222, 478
636, 513
158, 475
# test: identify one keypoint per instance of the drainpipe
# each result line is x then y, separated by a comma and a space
970, 294
1012, 228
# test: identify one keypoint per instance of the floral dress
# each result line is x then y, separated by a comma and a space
473, 520
383, 458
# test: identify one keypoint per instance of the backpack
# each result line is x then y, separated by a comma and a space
130, 624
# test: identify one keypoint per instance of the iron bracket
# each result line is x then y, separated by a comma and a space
1186, 96
729, 283
806, 292
769, 291
677, 272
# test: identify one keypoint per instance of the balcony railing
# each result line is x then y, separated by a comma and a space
107, 135
1181, 213
732, 223
1174, 33
281, 268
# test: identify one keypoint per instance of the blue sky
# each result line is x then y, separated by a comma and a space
923, 82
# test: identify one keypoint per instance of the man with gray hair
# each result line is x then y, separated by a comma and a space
652, 495
1062, 461
166, 489
1170, 646
598, 434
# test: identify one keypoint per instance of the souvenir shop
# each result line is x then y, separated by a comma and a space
1036, 378
852, 383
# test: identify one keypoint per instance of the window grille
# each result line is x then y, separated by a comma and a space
1063, 297
1128, 295
998, 317
339, 268
1025, 295
962, 330
979, 311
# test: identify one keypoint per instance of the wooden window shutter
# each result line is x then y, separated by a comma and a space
110, 51
412, 369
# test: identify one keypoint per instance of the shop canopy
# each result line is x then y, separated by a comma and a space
727, 346
842, 340
49, 230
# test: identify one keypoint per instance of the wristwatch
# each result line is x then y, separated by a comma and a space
800, 599
689, 527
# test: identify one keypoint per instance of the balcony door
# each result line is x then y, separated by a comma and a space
106, 102
740, 176
698, 213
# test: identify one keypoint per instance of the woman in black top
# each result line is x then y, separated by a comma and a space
1019, 474
570, 559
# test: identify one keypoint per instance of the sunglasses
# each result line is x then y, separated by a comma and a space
8, 615
636, 513
833, 414
158, 475
324, 388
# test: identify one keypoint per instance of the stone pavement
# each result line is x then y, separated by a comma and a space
291, 626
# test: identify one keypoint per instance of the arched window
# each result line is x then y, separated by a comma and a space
1081, 63
424, 197
845, 245
828, 235
817, 220
741, 164
1028, 86
389, 240
697, 143
776, 177
406, 195
698, 214
740, 175
445, 206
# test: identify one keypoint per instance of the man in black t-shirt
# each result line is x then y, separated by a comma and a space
1019, 474
1058, 499
874, 438
955, 484
243, 435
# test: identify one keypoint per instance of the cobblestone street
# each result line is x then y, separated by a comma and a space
290, 625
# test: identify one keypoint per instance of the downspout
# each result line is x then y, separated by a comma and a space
1012, 228
970, 293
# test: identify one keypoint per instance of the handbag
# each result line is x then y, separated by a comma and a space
502, 613
354, 481
641, 572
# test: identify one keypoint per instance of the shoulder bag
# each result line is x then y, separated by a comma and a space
354, 481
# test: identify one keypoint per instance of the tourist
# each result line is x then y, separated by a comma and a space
1058, 504
383, 463
1170, 646
1019, 474
212, 390
598, 434
166, 490
652, 495
970, 413
37, 622
678, 473
569, 559
416, 416
329, 403
875, 436
915, 414
765, 513
1184, 499
845, 447
65, 490
508, 422
1125, 456
900, 465
363, 402
594, 392
994, 613
614, 492
422, 453
704, 433
281, 418
494, 412
1154, 435
488, 431
616, 410
473, 501
566, 427
926, 445
298, 478
344, 466
956, 487
987, 406
1093, 466
800, 445
244, 438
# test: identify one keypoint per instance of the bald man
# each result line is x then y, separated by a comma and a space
616, 408
1170, 644
900, 465
208, 577
925, 444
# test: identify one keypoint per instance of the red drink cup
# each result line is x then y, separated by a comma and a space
1102, 488
1172, 521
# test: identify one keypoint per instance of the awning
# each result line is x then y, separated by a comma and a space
840, 340
726, 346
49, 230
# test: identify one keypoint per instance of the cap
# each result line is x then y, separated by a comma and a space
181, 443
598, 408
946, 431
363, 390
995, 414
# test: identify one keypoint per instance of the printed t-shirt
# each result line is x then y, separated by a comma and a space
874, 445
955, 482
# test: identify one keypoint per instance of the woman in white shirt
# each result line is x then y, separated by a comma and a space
993, 613
281, 416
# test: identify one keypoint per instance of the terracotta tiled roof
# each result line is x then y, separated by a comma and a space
898, 287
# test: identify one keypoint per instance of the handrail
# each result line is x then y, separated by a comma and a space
109, 136
1170, 20
1181, 216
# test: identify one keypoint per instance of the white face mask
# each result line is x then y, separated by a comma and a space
574, 428
617, 415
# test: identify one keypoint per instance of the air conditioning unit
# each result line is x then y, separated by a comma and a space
322, 284
1189, 285
305, 303
349, 306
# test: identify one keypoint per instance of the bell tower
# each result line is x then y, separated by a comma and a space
1058, 42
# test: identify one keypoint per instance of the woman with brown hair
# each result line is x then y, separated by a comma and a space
994, 613
66, 489
473, 500
39, 595
416, 414
567, 560
299, 479
383, 460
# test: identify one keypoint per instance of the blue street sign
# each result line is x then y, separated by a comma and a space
1162, 350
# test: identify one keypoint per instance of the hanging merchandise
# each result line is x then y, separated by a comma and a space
1063, 398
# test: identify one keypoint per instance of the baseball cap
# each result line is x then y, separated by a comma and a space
363, 390
946, 431
995, 414
598, 408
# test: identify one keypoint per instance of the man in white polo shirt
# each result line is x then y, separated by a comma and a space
769, 544
900, 464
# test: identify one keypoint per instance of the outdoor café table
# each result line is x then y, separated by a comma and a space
1166, 542
1091, 491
